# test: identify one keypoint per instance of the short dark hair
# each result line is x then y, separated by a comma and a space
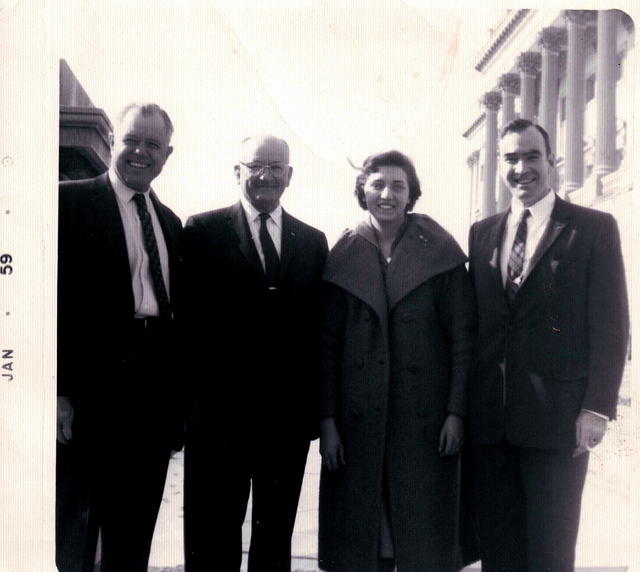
520, 125
388, 159
147, 109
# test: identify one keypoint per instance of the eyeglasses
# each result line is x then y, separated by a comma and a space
276, 169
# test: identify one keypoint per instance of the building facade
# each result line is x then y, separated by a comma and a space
83, 148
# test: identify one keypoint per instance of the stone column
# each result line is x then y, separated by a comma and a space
575, 102
472, 162
491, 101
510, 86
606, 93
528, 64
551, 41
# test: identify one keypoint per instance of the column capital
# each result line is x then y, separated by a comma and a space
626, 20
553, 38
491, 100
473, 158
529, 62
510, 83
581, 17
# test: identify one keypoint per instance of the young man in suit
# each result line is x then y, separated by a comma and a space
254, 275
118, 404
553, 326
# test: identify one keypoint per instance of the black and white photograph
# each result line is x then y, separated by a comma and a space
303, 286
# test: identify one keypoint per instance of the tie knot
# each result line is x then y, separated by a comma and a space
264, 217
525, 214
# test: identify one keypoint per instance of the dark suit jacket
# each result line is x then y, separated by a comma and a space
95, 298
561, 346
254, 352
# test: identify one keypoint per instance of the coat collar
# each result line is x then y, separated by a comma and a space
424, 251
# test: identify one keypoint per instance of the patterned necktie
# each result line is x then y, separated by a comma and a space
271, 258
151, 246
516, 258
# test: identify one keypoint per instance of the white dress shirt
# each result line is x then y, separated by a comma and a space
274, 226
536, 225
144, 296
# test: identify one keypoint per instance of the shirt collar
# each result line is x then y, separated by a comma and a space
124, 193
253, 213
539, 211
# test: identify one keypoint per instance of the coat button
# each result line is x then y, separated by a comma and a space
367, 316
413, 367
360, 363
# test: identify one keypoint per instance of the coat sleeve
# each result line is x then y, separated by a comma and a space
457, 312
608, 320
333, 319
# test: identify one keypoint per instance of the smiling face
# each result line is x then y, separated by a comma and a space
386, 193
524, 165
140, 148
263, 172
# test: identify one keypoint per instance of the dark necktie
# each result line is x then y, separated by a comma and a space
271, 259
516, 258
151, 246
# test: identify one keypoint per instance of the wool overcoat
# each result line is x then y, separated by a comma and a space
396, 355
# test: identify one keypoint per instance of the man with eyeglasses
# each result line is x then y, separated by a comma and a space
253, 277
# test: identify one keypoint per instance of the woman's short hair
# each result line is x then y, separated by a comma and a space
388, 159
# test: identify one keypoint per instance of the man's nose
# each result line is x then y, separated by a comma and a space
386, 193
519, 166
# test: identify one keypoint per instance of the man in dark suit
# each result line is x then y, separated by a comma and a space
118, 405
553, 325
253, 274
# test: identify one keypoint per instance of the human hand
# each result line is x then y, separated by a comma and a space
590, 429
451, 435
331, 447
64, 420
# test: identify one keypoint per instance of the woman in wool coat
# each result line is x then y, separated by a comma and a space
397, 344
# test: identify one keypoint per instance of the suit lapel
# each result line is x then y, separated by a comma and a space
238, 223
557, 223
288, 244
107, 218
494, 244
170, 237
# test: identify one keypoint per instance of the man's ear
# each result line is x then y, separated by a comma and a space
552, 159
169, 150
236, 170
111, 139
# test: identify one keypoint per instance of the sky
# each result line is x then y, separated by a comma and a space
337, 80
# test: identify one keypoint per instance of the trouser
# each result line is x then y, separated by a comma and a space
528, 507
117, 491
219, 474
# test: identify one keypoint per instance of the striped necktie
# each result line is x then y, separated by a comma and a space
516, 258
151, 246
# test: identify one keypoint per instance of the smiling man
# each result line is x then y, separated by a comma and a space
553, 327
253, 317
118, 406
